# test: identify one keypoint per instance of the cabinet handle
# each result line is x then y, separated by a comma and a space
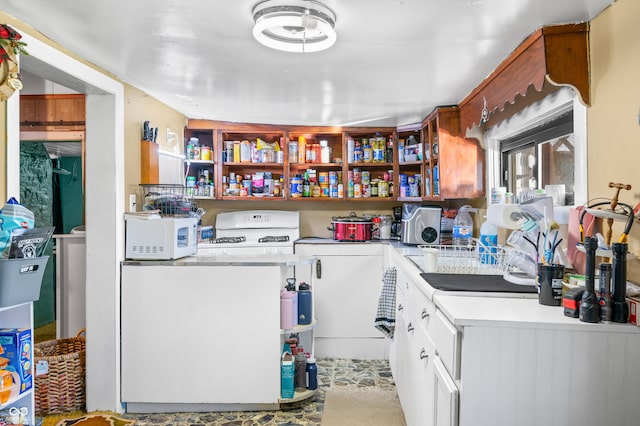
400, 307
410, 327
424, 354
318, 269
425, 314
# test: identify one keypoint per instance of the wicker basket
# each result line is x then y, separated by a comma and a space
62, 388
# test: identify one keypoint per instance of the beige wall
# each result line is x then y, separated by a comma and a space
139, 107
612, 120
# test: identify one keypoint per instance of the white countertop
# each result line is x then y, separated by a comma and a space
465, 309
469, 311
229, 260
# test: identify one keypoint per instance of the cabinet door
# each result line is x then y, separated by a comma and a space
346, 295
421, 358
445, 396
198, 334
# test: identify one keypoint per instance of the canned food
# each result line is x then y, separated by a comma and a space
357, 176
383, 188
296, 186
366, 176
323, 178
333, 191
333, 178
366, 190
357, 190
205, 153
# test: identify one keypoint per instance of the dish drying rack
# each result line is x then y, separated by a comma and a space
168, 199
475, 258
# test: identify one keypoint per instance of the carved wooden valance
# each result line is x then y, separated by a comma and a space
558, 55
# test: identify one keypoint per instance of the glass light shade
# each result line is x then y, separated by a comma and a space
294, 26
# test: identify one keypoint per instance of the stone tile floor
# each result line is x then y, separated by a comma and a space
336, 373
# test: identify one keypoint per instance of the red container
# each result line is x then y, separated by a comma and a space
351, 228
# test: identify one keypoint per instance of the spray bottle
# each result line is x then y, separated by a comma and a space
488, 243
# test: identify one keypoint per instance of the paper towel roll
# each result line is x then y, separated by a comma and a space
504, 215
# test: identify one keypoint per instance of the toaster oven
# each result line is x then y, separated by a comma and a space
160, 238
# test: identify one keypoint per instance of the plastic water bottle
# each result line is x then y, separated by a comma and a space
488, 243
463, 227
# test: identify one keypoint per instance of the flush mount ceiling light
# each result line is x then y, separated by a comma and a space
294, 25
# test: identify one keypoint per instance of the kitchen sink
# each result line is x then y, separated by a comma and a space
491, 284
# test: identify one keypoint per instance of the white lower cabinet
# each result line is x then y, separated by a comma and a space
200, 338
347, 287
445, 397
423, 390
507, 361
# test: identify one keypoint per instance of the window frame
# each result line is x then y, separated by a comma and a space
560, 125
553, 105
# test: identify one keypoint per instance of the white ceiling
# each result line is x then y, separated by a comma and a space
393, 62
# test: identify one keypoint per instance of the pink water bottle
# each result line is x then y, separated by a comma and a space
291, 286
286, 309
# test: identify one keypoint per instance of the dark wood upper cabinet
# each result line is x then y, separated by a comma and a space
551, 57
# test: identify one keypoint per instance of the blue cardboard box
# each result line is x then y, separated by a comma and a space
16, 354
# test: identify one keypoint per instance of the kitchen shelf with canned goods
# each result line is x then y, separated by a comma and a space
199, 162
453, 164
252, 164
428, 161
370, 160
410, 151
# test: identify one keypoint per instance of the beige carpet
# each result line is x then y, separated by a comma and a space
362, 407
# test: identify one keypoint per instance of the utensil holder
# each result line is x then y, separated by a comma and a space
549, 283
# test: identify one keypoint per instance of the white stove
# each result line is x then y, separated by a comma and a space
253, 232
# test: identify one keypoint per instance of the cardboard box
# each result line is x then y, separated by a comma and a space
634, 309
17, 354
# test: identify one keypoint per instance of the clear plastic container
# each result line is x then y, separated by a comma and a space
463, 227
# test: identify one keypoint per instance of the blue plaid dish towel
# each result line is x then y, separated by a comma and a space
386, 313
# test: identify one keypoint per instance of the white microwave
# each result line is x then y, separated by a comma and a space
161, 238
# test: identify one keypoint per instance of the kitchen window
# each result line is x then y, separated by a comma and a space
544, 145
542, 157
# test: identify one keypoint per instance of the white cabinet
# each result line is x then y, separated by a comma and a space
445, 398
200, 337
416, 367
507, 361
20, 316
203, 334
346, 291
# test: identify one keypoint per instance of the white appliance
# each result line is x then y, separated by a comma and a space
160, 238
421, 224
253, 232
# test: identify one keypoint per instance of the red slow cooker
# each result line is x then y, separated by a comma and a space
351, 228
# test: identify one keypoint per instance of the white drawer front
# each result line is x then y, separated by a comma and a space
446, 339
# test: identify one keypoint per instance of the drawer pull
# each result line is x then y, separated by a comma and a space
400, 307
424, 354
425, 314
410, 327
